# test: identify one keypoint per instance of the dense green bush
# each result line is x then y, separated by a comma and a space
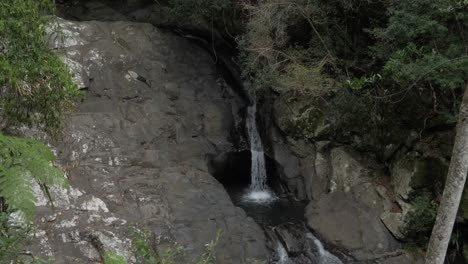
392, 65
424, 56
419, 222
36, 87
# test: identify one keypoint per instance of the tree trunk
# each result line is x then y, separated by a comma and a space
454, 185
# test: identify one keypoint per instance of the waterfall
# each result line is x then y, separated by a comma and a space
282, 254
324, 257
258, 170
258, 191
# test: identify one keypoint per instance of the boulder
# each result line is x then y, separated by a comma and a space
412, 171
343, 221
135, 150
347, 170
301, 118
402, 258
394, 221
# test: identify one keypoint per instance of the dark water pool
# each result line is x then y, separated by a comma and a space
274, 212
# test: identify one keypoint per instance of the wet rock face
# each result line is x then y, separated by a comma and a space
135, 151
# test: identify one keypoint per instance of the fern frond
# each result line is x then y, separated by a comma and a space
16, 189
23, 161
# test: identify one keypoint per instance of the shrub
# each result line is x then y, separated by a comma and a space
142, 249
424, 58
12, 239
273, 55
112, 258
36, 87
419, 222
145, 254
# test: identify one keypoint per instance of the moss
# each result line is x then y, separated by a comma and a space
112, 258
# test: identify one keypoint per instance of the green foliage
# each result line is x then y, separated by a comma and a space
424, 56
407, 60
12, 238
145, 254
274, 56
419, 222
363, 82
312, 39
23, 161
209, 256
36, 86
36, 89
141, 247
112, 258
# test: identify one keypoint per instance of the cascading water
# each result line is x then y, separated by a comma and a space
324, 257
283, 257
258, 191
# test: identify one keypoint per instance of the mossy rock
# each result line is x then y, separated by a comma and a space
301, 117
413, 172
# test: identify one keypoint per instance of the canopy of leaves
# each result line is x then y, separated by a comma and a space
36, 87
421, 54
424, 45
23, 162
405, 59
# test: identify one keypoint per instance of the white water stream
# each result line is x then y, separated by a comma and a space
258, 191
324, 256
321, 255
283, 257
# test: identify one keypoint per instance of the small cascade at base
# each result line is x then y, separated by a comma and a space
283, 257
258, 191
323, 255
